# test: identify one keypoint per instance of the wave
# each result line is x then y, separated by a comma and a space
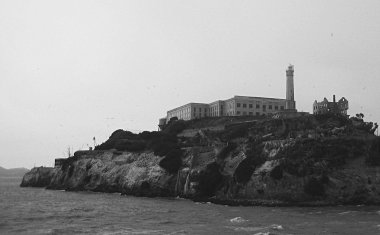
238, 220
346, 212
261, 230
132, 231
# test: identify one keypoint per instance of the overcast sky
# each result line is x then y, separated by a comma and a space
72, 70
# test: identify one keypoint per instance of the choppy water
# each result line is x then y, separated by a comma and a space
40, 211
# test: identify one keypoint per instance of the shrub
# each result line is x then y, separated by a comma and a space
175, 127
128, 141
130, 145
109, 144
121, 134
147, 135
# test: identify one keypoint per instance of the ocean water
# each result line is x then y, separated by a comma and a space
40, 211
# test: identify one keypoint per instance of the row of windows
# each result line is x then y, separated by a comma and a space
200, 115
200, 110
258, 106
215, 112
245, 105
245, 113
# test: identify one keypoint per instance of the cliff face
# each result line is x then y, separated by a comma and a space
334, 171
38, 177
275, 162
114, 171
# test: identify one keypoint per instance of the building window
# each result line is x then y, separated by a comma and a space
257, 114
282, 107
195, 110
251, 113
244, 113
200, 110
257, 106
270, 106
264, 107
250, 106
244, 105
276, 107
238, 105
238, 112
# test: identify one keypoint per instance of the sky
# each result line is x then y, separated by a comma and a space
77, 69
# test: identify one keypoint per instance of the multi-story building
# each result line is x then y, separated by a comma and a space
331, 107
189, 111
238, 105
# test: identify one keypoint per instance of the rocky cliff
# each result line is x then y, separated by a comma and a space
299, 161
38, 177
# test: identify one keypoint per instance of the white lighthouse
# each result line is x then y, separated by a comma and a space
290, 103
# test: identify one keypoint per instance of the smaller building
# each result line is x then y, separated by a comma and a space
161, 123
325, 106
59, 162
188, 112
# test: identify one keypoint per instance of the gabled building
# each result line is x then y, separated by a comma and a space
325, 106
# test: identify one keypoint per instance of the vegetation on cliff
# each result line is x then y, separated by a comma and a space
164, 144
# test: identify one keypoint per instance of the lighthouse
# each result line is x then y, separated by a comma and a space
290, 103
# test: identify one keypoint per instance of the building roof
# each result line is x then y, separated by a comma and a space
235, 97
256, 97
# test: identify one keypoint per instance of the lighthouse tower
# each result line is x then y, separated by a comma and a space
290, 103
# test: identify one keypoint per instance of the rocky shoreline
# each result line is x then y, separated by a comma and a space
295, 162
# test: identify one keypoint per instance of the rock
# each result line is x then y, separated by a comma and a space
38, 177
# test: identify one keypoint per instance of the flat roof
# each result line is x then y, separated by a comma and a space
255, 97
235, 97
187, 105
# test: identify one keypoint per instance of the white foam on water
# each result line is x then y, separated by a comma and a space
248, 229
276, 227
132, 231
178, 232
44, 231
262, 233
315, 212
238, 220
346, 212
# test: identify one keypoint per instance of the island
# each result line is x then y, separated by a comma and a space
327, 159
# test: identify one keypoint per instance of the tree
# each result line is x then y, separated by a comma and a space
360, 116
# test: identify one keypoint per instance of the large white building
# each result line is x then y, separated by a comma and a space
237, 105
